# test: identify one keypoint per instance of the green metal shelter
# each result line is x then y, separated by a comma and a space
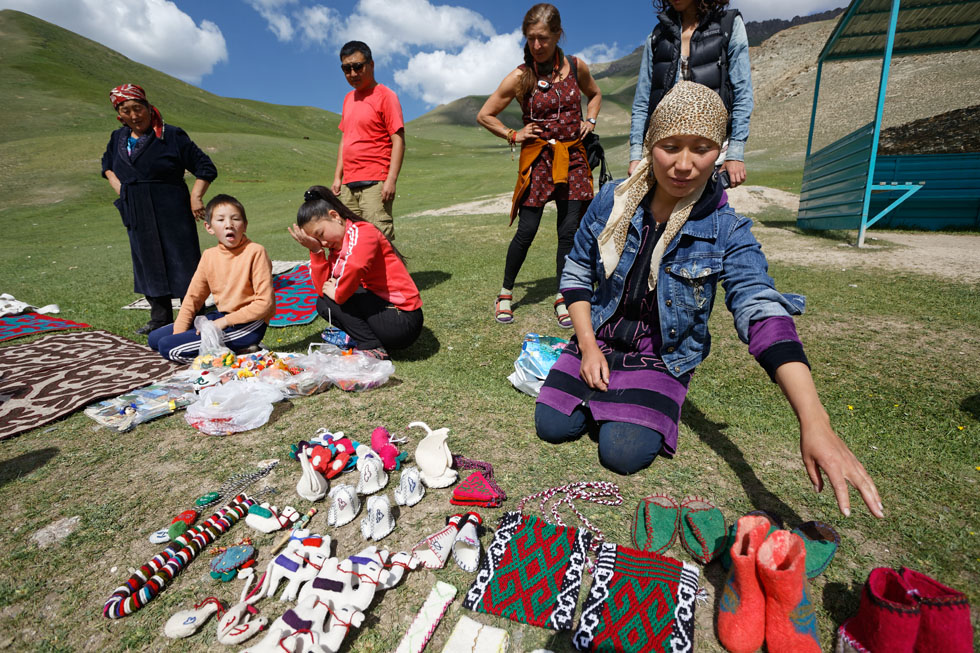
847, 184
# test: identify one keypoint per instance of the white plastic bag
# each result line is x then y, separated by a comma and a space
233, 407
351, 370
212, 338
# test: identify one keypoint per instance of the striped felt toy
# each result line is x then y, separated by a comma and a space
152, 577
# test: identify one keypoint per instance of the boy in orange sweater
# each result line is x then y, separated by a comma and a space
239, 275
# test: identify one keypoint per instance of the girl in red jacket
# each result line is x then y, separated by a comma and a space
364, 287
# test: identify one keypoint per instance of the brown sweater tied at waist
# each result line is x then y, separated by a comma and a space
559, 165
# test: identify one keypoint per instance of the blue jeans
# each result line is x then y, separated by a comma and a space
623, 448
183, 347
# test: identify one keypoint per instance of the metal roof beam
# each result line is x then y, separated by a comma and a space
948, 3
911, 30
899, 52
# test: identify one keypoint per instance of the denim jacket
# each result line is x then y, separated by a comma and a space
739, 71
717, 247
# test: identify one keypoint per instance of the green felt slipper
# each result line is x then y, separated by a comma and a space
775, 524
702, 530
655, 523
821, 542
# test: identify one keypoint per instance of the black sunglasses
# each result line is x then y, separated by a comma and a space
355, 66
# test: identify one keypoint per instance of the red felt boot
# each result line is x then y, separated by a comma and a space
742, 611
945, 621
791, 622
887, 618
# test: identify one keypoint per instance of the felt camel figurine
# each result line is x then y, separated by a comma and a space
312, 486
311, 626
350, 582
240, 622
433, 457
299, 563
400, 562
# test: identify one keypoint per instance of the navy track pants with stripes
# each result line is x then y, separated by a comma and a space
183, 347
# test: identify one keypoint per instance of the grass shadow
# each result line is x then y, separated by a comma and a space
841, 601
536, 291
427, 279
24, 464
972, 405
425, 346
301, 345
712, 434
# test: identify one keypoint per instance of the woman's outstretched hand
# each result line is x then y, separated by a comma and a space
823, 451
304, 239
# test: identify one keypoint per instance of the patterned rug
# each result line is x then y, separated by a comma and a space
295, 298
56, 375
15, 326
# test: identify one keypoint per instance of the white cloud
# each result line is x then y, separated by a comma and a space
600, 52
439, 77
274, 13
318, 24
765, 9
153, 32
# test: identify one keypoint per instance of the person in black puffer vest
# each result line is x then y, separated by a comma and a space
699, 41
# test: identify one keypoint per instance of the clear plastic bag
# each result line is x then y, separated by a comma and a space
212, 338
538, 354
233, 407
351, 370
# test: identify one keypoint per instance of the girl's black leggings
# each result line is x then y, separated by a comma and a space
528, 219
371, 321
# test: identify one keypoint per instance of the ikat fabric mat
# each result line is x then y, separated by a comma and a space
57, 375
15, 326
295, 298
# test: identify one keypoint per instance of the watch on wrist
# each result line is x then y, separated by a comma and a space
592, 120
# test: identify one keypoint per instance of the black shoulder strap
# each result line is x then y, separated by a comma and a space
573, 66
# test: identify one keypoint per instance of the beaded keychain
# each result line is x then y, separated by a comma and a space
152, 577
601, 492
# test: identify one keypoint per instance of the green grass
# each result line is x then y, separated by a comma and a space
894, 359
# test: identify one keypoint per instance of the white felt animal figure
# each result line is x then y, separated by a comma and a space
241, 622
269, 519
186, 622
311, 486
299, 563
349, 582
433, 457
400, 562
306, 628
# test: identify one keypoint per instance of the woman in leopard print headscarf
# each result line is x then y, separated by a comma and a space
640, 284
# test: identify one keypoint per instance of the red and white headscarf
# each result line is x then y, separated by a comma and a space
126, 92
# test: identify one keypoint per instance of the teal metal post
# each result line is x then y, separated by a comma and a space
813, 112
886, 65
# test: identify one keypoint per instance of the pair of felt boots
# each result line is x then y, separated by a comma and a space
907, 612
765, 598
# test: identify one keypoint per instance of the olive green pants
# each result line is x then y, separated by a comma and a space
366, 203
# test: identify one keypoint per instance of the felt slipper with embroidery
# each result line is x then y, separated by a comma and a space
820, 541
434, 550
702, 530
410, 489
656, 523
379, 520
466, 546
775, 524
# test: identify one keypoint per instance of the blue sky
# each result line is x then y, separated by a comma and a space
285, 51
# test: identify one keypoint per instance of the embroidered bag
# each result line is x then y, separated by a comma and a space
639, 601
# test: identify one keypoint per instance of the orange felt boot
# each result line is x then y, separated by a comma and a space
742, 611
791, 622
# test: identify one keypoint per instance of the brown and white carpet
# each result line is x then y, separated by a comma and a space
57, 375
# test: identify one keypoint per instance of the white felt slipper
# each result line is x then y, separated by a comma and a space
410, 489
379, 522
346, 505
373, 475
434, 550
466, 546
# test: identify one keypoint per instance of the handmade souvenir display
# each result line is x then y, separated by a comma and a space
428, 617
124, 412
152, 577
907, 611
185, 623
352, 582
374, 478
311, 486
433, 457
532, 572
378, 522
434, 550
227, 562
310, 626
471, 635
299, 563
410, 489
211, 361
638, 602
466, 545
269, 519
383, 444
346, 504
479, 488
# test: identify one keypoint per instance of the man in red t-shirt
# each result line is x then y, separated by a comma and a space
372, 141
